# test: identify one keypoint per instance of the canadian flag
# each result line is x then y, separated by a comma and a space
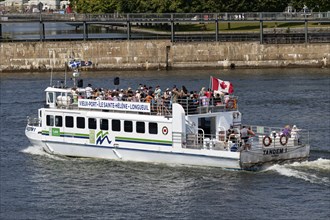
222, 86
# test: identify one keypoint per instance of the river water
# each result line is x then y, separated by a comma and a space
35, 185
58, 31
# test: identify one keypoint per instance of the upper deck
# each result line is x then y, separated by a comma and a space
135, 102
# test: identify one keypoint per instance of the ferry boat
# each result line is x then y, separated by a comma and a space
193, 132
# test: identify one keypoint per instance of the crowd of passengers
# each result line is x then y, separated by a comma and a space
145, 93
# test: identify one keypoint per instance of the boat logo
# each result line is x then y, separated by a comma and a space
100, 137
165, 130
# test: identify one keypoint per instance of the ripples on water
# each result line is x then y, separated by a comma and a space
36, 185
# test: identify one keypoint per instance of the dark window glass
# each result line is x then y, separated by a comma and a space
69, 121
58, 121
80, 122
140, 127
92, 123
153, 128
50, 120
104, 124
115, 125
128, 126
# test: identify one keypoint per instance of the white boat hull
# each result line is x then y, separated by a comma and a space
248, 160
143, 155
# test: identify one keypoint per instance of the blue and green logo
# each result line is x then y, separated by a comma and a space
100, 137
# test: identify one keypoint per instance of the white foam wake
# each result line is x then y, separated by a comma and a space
319, 164
312, 171
39, 151
34, 150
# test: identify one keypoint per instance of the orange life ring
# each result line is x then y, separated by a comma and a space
231, 104
285, 140
266, 141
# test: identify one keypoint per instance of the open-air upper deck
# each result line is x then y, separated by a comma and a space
68, 98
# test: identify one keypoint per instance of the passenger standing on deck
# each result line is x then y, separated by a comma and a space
246, 133
175, 95
201, 92
74, 95
183, 92
88, 91
158, 99
286, 131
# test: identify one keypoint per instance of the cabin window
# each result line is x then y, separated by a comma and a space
92, 123
50, 120
140, 127
50, 97
58, 121
104, 124
80, 122
69, 121
128, 126
153, 128
115, 125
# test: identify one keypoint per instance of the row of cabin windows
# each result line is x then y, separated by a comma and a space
140, 127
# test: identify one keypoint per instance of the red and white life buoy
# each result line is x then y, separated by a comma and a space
165, 130
266, 141
284, 140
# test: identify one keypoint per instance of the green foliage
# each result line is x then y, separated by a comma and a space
194, 6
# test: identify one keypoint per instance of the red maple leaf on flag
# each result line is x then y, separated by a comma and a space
223, 85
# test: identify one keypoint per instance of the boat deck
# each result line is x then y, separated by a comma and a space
165, 107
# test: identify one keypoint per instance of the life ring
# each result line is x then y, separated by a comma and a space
266, 141
86, 63
165, 130
231, 104
285, 141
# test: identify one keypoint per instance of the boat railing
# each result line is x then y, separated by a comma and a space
276, 136
200, 140
31, 121
265, 138
164, 107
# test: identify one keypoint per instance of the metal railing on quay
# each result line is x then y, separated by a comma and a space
167, 17
173, 20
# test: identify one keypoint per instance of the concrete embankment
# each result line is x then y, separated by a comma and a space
160, 54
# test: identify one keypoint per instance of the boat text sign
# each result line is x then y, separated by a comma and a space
114, 105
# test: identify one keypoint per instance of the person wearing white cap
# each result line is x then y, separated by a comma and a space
88, 91
138, 96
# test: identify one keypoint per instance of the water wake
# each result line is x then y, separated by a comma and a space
39, 151
316, 171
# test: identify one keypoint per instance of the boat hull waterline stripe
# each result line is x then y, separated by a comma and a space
67, 134
143, 141
117, 139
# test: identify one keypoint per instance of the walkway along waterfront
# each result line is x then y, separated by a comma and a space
128, 22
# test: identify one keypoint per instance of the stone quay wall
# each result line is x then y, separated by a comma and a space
160, 54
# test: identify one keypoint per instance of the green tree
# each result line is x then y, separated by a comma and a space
193, 6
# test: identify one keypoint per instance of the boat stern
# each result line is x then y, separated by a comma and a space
265, 156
